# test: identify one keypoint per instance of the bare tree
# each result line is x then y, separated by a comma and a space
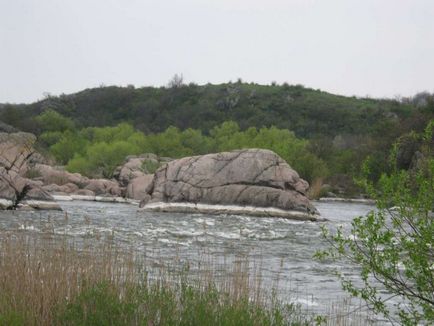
15, 152
176, 81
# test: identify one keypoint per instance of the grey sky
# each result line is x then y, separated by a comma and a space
352, 47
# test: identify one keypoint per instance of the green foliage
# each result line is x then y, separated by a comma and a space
111, 134
150, 166
283, 142
161, 304
102, 158
80, 164
69, 144
393, 245
97, 151
100, 306
49, 138
368, 127
12, 318
51, 120
306, 111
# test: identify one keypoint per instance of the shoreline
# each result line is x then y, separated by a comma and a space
346, 200
100, 199
231, 209
187, 207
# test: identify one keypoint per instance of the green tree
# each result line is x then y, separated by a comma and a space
69, 144
393, 245
51, 120
101, 159
49, 138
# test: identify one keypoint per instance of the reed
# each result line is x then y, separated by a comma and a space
315, 189
56, 281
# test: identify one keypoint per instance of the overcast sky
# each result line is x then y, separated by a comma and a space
380, 48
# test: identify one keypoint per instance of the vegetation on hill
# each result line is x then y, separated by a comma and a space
324, 136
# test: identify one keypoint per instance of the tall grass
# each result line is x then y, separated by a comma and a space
52, 281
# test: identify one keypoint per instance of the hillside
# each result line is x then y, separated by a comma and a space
325, 137
307, 112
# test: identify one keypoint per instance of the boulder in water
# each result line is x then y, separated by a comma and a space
254, 178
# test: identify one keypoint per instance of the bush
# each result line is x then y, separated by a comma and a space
51, 120
393, 245
97, 151
70, 144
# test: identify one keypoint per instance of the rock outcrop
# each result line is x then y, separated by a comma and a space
16, 149
250, 178
17, 191
50, 175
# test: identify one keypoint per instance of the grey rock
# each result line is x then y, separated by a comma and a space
139, 187
136, 166
104, 187
7, 128
84, 192
56, 175
15, 151
251, 177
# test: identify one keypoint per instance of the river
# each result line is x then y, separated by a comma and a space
281, 250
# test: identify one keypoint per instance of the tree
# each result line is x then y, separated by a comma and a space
69, 144
51, 120
394, 245
176, 81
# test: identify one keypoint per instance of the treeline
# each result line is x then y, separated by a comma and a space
307, 112
96, 151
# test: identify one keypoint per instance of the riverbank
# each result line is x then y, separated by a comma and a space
56, 281
347, 200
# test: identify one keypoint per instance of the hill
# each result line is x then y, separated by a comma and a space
325, 137
309, 113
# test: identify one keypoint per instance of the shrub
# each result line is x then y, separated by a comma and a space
393, 245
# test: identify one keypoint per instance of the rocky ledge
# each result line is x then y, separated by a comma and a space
252, 181
17, 191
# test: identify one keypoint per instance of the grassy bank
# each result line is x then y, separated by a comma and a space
54, 280
44, 281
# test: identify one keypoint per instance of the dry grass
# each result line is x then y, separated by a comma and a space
95, 282
42, 276
315, 189
36, 274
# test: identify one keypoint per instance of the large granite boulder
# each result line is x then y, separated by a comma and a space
15, 151
253, 178
16, 191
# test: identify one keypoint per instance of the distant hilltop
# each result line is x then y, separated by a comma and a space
309, 113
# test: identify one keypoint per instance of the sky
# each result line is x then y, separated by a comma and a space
376, 48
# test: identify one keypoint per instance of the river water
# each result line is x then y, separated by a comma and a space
281, 249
